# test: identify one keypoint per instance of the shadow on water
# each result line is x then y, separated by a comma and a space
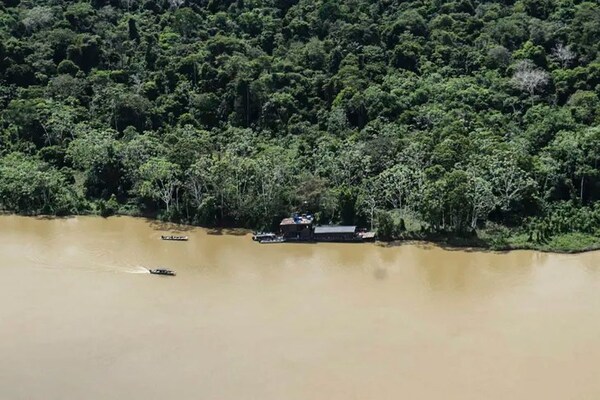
448, 246
174, 227
451, 247
169, 226
380, 273
227, 231
54, 217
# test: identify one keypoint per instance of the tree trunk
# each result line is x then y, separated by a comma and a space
222, 206
474, 219
247, 105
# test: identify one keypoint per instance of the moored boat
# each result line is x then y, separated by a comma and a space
276, 239
162, 271
301, 228
174, 237
260, 236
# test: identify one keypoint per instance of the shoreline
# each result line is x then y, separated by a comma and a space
477, 247
488, 240
560, 244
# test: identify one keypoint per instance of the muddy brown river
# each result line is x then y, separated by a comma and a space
80, 318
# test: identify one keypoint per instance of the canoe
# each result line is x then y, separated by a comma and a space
173, 237
162, 271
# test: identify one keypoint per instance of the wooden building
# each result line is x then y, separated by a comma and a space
336, 234
301, 228
298, 227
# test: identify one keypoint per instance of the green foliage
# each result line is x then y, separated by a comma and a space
158, 180
67, 67
385, 226
28, 185
439, 116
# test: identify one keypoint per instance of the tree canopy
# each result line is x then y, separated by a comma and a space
458, 113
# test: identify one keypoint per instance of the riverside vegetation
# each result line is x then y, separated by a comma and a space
474, 122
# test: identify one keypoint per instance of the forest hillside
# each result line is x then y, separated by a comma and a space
410, 116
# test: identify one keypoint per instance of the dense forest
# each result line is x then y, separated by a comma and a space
424, 115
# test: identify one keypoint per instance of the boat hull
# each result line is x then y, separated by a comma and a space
270, 241
175, 238
164, 272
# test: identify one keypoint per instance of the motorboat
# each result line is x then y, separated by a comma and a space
260, 236
174, 237
162, 271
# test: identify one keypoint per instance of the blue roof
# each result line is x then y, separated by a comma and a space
335, 229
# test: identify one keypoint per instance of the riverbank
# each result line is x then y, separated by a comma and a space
570, 243
490, 239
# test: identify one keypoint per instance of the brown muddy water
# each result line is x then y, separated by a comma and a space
80, 318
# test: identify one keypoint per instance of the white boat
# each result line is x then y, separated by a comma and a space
260, 236
174, 237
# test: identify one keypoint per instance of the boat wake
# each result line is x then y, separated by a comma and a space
138, 270
56, 256
127, 268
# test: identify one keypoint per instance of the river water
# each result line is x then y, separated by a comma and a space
80, 318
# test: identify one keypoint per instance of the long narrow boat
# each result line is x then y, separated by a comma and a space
260, 236
162, 271
174, 237
272, 240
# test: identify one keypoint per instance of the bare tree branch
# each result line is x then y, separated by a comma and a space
563, 54
529, 78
